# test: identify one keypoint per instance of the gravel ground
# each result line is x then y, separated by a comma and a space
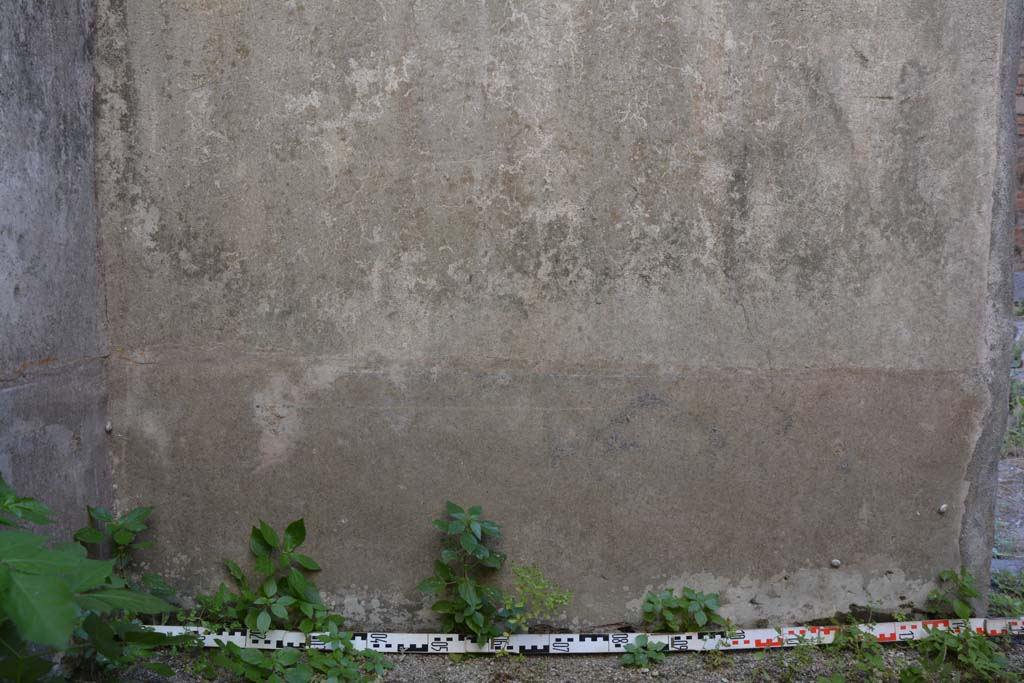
740, 667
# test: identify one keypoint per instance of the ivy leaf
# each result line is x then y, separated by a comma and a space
294, 535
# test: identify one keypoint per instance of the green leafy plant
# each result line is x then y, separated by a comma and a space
340, 662
55, 599
953, 594
1007, 600
691, 611
119, 534
467, 605
643, 653
281, 596
533, 597
715, 659
835, 677
795, 661
966, 656
868, 659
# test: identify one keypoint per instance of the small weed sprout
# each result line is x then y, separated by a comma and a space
643, 653
665, 612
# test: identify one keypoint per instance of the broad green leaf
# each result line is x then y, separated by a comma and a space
100, 514
41, 608
89, 574
263, 622
294, 535
451, 508
269, 587
123, 537
286, 656
102, 637
475, 528
279, 610
307, 562
257, 544
468, 542
475, 511
264, 565
158, 668
962, 609
12, 542
443, 571
467, 591
42, 561
89, 535
156, 585
298, 674
269, 535
444, 606
431, 585
234, 570
122, 599
134, 519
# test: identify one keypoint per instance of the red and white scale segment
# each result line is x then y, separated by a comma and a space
600, 643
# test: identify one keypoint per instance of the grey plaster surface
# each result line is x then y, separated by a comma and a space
706, 292
52, 401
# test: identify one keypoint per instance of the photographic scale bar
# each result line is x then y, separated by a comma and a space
598, 643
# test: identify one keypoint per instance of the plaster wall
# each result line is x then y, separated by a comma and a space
52, 397
707, 291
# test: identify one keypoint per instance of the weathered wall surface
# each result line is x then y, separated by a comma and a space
700, 291
52, 399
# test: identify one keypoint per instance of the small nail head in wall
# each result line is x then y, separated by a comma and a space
836, 564
943, 509
109, 427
